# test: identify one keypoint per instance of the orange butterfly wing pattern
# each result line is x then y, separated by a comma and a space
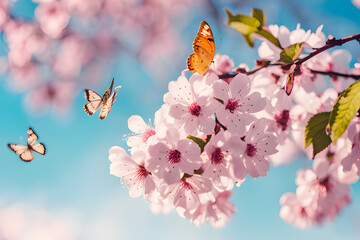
204, 50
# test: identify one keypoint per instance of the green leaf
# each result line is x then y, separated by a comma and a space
249, 40
345, 109
244, 24
289, 54
248, 25
198, 141
259, 15
315, 132
269, 37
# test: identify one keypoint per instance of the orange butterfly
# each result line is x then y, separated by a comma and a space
26, 152
204, 50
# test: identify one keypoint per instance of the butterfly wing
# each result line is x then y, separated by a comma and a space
32, 137
24, 152
204, 50
107, 93
107, 107
94, 101
39, 148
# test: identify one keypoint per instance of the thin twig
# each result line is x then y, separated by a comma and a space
329, 44
331, 73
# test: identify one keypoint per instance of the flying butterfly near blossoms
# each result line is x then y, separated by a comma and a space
105, 102
204, 50
26, 152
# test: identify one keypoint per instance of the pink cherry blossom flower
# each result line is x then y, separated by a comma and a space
143, 131
351, 163
4, 13
222, 154
259, 145
294, 213
53, 18
192, 102
218, 213
132, 172
222, 64
286, 38
73, 54
185, 194
171, 157
319, 188
356, 3
58, 95
237, 103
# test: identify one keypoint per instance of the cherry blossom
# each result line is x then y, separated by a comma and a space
138, 126
286, 38
218, 213
356, 3
185, 194
294, 213
53, 18
192, 102
170, 158
237, 104
132, 172
222, 151
259, 145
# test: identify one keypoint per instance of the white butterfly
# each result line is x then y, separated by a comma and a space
95, 101
26, 152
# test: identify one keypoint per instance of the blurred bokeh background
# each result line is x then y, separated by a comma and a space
46, 64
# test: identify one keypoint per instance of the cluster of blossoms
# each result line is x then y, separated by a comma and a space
70, 44
206, 139
213, 132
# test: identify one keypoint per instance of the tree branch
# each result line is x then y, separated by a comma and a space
331, 73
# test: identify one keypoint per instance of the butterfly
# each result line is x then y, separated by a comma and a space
26, 152
204, 50
95, 101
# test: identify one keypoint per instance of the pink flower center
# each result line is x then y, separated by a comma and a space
194, 109
232, 104
174, 156
148, 133
251, 150
186, 185
325, 185
303, 213
141, 172
217, 156
282, 119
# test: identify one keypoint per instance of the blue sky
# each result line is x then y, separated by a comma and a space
74, 174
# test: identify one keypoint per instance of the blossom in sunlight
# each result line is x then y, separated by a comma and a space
186, 193
58, 95
171, 157
237, 103
260, 143
132, 172
143, 133
356, 3
286, 38
294, 213
221, 151
53, 18
218, 213
192, 102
